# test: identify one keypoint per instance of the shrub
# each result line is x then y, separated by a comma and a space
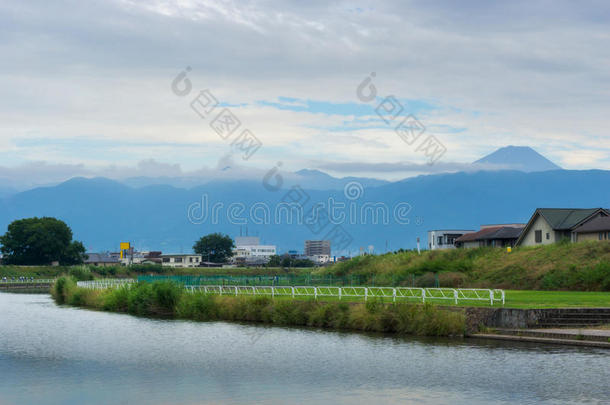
167, 295
452, 280
332, 315
62, 289
140, 299
117, 300
427, 280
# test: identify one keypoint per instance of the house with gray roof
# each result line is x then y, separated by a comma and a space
101, 259
551, 225
501, 235
596, 229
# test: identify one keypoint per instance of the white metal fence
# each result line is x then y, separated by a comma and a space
389, 293
28, 280
394, 293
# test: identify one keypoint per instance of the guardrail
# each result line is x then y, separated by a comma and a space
393, 293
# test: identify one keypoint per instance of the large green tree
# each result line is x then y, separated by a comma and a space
215, 246
40, 241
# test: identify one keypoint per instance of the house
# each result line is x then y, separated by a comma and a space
445, 238
551, 225
595, 229
181, 260
101, 259
501, 235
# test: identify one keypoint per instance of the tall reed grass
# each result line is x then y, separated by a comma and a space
167, 299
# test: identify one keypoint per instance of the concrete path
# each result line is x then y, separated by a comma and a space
575, 332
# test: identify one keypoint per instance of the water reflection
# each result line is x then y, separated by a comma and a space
64, 355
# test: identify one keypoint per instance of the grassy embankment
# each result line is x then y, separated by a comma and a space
166, 299
565, 266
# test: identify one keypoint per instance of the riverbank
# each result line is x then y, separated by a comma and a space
169, 300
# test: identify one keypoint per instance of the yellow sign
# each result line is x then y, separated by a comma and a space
509, 249
124, 246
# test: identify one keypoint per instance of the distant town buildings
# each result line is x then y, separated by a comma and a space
445, 238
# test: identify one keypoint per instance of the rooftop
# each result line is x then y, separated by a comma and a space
100, 258
566, 218
595, 225
492, 232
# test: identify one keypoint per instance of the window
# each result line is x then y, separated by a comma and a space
538, 236
601, 236
178, 260
166, 260
548, 236
190, 260
439, 240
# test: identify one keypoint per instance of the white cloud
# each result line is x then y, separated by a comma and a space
524, 73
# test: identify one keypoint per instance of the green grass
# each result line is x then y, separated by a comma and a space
556, 299
523, 299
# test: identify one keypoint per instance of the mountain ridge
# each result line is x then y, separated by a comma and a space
104, 212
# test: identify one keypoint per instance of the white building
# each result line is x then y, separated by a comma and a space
181, 260
445, 238
254, 254
248, 250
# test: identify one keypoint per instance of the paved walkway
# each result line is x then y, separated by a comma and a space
574, 332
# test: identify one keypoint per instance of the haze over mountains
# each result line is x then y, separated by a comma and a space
103, 212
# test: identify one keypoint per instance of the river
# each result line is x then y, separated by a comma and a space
61, 355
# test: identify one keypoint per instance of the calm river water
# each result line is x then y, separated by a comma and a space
58, 355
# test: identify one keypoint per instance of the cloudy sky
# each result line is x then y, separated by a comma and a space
87, 86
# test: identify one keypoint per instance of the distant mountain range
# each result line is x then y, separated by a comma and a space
104, 212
